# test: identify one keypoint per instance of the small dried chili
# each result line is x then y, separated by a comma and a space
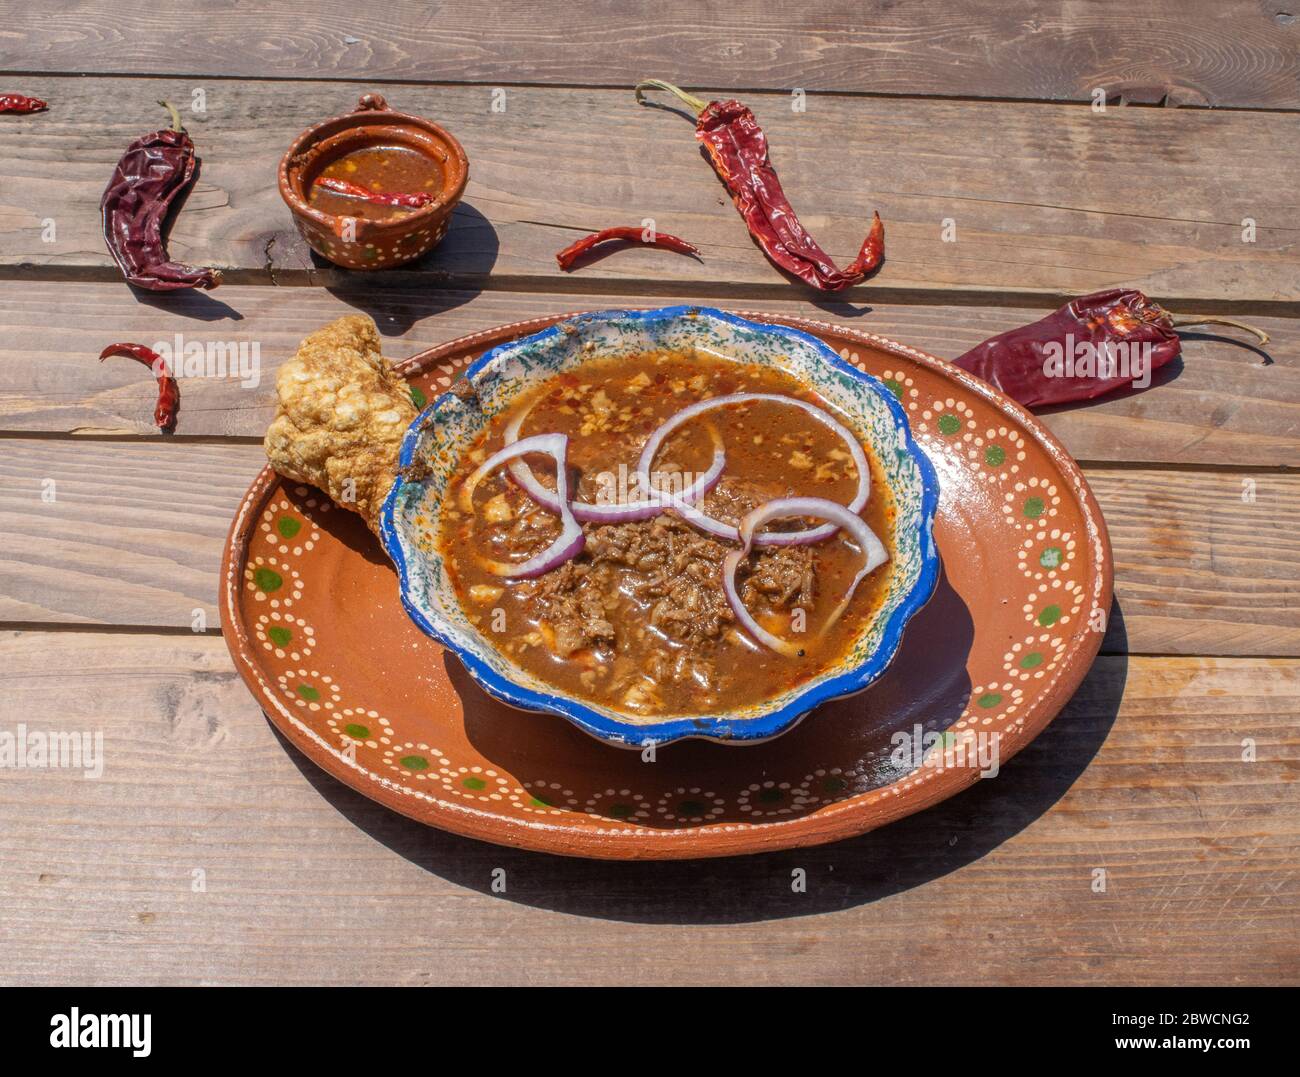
16, 102
646, 237
153, 171
355, 190
1090, 346
169, 393
737, 147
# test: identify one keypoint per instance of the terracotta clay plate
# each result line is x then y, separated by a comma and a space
311, 612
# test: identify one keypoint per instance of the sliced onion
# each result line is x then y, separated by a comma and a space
570, 541
626, 512
722, 530
819, 508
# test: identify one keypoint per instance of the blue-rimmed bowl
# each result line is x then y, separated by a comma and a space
410, 521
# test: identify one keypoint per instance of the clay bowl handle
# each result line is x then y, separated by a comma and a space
371, 102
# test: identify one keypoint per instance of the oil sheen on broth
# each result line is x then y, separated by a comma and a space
382, 169
639, 621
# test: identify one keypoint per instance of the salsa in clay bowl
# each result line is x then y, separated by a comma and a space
665, 524
373, 188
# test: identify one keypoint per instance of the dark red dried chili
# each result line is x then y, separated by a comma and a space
355, 190
737, 147
1090, 346
153, 171
16, 102
169, 393
645, 237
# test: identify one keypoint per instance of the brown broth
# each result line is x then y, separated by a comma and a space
383, 169
675, 648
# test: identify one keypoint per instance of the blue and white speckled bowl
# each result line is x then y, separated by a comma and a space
410, 520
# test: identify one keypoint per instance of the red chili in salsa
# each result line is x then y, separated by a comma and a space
377, 171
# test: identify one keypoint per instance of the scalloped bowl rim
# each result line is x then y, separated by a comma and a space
719, 729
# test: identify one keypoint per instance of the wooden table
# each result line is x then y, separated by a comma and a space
210, 852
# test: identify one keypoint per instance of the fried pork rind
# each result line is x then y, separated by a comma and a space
341, 418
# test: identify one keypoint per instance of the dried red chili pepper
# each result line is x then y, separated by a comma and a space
355, 190
738, 149
169, 393
16, 102
152, 172
645, 237
1090, 346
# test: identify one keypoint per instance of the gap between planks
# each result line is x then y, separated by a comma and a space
180, 631
709, 93
707, 292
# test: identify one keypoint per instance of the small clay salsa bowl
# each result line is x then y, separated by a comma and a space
385, 151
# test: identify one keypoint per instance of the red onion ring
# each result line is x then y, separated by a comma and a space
721, 530
819, 508
616, 513
571, 538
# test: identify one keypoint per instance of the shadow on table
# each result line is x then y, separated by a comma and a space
188, 303
840, 308
398, 298
858, 871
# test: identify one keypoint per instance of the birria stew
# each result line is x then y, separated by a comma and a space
716, 536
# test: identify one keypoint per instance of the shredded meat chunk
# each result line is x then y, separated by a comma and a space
572, 599
677, 572
733, 498
785, 575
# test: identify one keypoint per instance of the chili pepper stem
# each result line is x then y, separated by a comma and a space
658, 84
1183, 323
176, 116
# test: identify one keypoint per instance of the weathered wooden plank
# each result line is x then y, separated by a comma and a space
1233, 53
134, 533
306, 882
985, 197
1224, 406
1204, 562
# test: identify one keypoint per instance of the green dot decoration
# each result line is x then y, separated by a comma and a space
267, 580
